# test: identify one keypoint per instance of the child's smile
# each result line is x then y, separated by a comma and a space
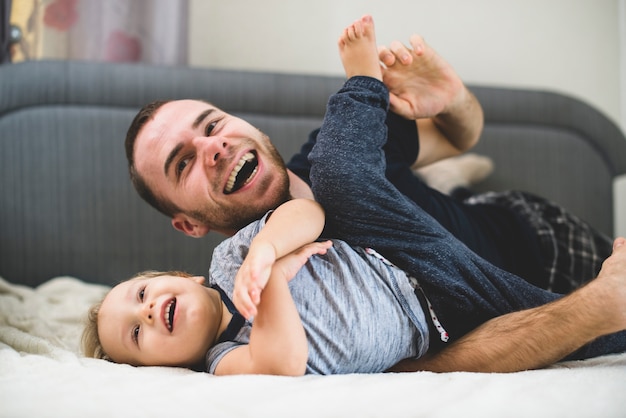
168, 316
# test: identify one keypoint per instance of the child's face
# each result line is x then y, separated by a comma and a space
160, 321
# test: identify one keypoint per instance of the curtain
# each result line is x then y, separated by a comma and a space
5, 32
152, 31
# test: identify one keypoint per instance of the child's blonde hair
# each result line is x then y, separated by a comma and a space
90, 340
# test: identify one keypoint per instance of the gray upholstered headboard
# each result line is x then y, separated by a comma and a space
67, 206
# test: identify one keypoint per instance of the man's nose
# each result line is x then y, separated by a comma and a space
212, 149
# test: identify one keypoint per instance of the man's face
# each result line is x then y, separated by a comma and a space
222, 172
161, 321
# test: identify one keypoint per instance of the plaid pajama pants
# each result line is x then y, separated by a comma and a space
573, 250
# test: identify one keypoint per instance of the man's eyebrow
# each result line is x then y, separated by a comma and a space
172, 155
201, 117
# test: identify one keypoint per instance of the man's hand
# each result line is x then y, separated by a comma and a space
425, 88
421, 83
608, 291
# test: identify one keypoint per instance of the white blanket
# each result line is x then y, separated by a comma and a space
43, 375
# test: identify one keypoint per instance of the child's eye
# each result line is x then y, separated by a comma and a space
141, 293
135, 334
210, 127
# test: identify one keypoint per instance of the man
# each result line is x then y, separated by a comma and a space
520, 233
208, 170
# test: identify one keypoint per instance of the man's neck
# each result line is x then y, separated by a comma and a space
298, 188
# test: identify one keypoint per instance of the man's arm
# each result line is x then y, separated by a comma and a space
452, 132
424, 87
292, 225
278, 344
540, 336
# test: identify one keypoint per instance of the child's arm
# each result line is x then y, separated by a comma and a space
292, 225
278, 343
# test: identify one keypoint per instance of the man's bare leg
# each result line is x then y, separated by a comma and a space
540, 336
358, 51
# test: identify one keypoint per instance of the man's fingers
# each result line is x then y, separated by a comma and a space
417, 43
401, 107
385, 56
401, 52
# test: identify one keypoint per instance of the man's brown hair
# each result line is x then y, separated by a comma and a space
146, 113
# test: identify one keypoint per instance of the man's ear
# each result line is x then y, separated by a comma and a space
189, 226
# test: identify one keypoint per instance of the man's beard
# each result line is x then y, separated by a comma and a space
239, 217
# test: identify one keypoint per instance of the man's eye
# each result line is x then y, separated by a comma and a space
135, 334
210, 127
181, 165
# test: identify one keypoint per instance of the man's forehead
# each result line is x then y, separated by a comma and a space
188, 103
180, 113
166, 128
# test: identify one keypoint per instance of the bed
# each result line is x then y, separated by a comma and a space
71, 226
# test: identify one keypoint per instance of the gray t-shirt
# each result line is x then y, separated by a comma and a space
360, 314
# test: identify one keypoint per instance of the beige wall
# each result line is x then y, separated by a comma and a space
569, 46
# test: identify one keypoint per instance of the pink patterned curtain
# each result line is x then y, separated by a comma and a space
152, 31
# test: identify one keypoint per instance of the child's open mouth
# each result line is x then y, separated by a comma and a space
168, 315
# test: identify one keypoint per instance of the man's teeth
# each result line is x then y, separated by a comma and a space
169, 314
230, 184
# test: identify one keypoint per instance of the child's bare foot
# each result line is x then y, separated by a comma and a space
422, 84
358, 51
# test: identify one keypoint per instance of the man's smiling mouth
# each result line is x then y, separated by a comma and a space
243, 172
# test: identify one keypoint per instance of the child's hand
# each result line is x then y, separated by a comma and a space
252, 277
289, 265
247, 293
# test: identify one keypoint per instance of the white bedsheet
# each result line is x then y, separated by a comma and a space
42, 375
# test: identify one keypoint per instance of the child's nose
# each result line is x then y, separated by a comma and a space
147, 311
